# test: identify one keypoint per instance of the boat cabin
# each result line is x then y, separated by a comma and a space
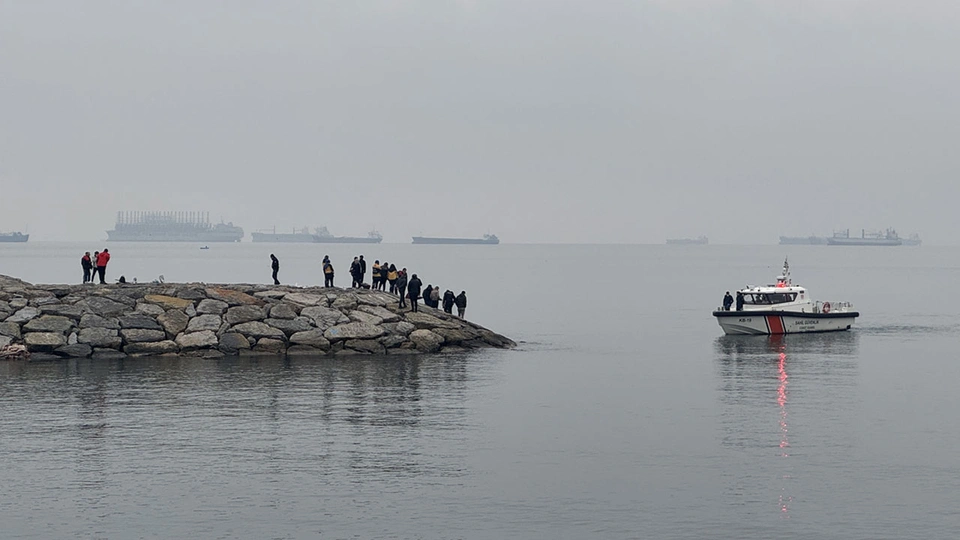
780, 296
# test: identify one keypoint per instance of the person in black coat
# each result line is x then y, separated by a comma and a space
363, 270
461, 302
739, 301
402, 287
413, 291
448, 299
727, 301
426, 295
355, 272
276, 268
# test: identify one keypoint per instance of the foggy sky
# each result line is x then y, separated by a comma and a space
540, 121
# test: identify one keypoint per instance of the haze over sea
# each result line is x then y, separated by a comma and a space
624, 413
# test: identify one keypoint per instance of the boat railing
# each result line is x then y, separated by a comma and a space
832, 307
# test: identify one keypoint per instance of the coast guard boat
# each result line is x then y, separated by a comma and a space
784, 308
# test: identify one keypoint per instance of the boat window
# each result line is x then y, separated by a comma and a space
769, 298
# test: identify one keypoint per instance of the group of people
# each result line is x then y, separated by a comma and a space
95, 265
386, 273
728, 301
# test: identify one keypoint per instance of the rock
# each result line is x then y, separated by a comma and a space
232, 343
404, 328
152, 310
360, 316
312, 338
304, 350
77, 350
282, 311
391, 340
137, 320
43, 357
10, 329
270, 345
345, 302
167, 302
173, 322
44, 341
426, 341
108, 354
139, 335
305, 299
384, 314
203, 353
49, 323
101, 306
89, 320
65, 310
190, 311
24, 314
148, 348
99, 337
4, 341
457, 335
422, 320
288, 327
192, 294
72, 339
274, 294
257, 329
233, 298
322, 317
17, 303
204, 322
211, 307
375, 299
197, 340
44, 301
242, 314
371, 346
354, 330
496, 340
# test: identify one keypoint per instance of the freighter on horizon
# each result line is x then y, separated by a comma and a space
487, 239
171, 227
14, 236
320, 236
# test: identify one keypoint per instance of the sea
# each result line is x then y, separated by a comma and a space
624, 412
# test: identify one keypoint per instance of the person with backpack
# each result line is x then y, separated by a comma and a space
327, 272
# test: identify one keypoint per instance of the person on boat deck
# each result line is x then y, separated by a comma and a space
727, 301
276, 268
739, 301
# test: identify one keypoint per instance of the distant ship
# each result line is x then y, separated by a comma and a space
487, 239
320, 236
13, 237
803, 240
886, 238
912, 240
698, 241
171, 227
298, 235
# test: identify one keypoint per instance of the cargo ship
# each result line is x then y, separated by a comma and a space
489, 239
886, 238
297, 236
13, 237
698, 241
803, 240
320, 236
171, 227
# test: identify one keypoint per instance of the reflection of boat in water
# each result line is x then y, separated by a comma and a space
698, 241
867, 238
784, 308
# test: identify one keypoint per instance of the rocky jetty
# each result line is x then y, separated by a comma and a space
47, 322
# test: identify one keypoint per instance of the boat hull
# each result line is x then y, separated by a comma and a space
14, 237
783, 322
428, 240
864, 242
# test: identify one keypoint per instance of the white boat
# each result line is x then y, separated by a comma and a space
784, 308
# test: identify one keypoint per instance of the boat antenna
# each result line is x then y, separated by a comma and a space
784, 276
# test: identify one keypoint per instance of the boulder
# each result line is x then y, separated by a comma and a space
197, 340
192, 294
24, 314
360, 316
304, 350
311, 338
233, 343
324, 317
10, 329
77, 350
204, 322
104, 307
43, 357
404, 328
149, 348
173, 321
49, 323
167, 302
375, 299
282, 311
392, 340
496, 340
305, 299
152, 310
345, 302
384, 314
138, 320
65, 310
354, 330
72, 338
89, 320
99, 337
257, 329
288, 327
425, 321
457, 335
17, 303
270, 345
190, 311
211, 307
5, 340
426, 341
44, 341
242, 314
273, 294
232, 297
370, 346
140, 335
108, 354
44, 300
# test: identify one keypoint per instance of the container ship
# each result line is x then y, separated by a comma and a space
886, 238
698, 241
489, 239
171, 227
320, 236
13, 237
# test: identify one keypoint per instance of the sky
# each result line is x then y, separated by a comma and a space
540, 121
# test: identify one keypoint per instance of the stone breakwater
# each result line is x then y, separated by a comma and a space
47, 322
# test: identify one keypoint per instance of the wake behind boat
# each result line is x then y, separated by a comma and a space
783, 308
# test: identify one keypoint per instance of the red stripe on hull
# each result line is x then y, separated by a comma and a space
775, 323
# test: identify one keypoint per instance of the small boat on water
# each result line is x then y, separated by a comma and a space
784, 308
204, 247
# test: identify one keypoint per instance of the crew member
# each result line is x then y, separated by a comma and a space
727, 301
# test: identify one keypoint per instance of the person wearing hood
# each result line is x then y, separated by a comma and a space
413, 288
461, 302
87, 264
426, 294
327, 272
276, 268
392, 278
448, 300
402, 287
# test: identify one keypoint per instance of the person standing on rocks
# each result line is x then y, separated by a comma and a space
327, 272
402, 286
392, 278
435, 297
102, 261
448, 300
413, 288
375, 275
355, 273
276, 268
426, 295
461, 302
363, 271
87, 266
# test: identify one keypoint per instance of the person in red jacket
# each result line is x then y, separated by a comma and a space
102, 259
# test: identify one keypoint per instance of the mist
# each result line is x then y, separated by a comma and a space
538, 121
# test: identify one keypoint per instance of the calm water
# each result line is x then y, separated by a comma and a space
624, 413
